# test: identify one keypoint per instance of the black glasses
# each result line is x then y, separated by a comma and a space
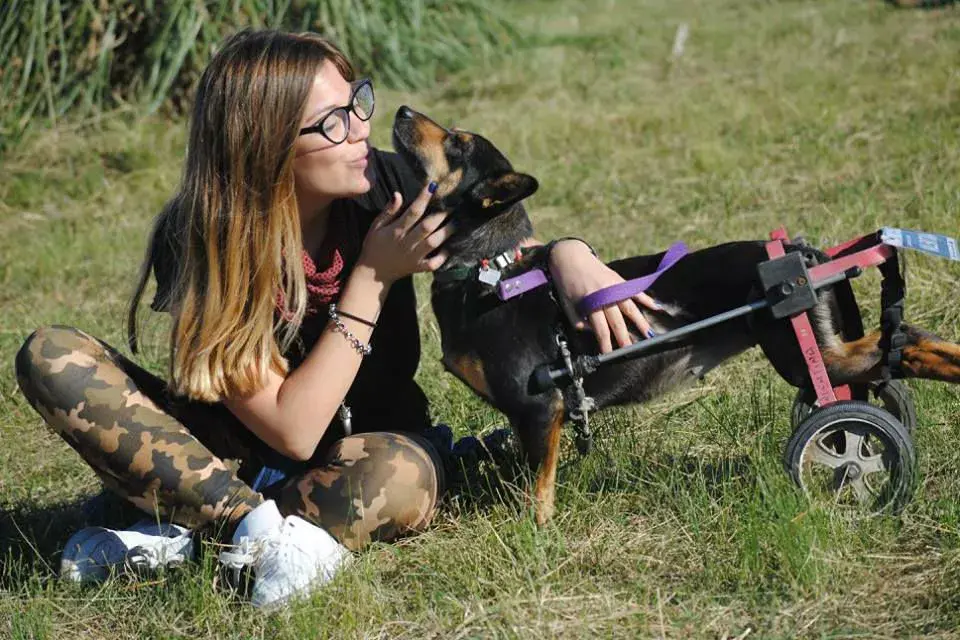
335, 126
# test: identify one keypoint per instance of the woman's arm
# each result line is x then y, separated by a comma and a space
292, 413
578, 273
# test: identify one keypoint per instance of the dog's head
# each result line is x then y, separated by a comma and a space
475, 182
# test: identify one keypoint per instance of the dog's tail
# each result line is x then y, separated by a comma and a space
925, 355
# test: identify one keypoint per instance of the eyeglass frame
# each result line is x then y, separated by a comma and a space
348, 108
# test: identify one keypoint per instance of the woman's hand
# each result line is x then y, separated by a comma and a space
399, 245
579, 273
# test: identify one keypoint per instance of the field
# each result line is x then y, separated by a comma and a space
832, 118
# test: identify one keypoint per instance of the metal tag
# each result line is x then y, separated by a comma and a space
489, 276
931, 243
346, 419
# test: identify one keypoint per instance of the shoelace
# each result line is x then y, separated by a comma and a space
150, 557
249, 552
243, 555
153, 556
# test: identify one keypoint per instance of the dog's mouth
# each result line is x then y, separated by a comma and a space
419, 141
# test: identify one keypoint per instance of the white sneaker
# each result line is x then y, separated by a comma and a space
91, 553
289, 556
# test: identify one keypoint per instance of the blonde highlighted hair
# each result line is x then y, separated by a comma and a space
233, 224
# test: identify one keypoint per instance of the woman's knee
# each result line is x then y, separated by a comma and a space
56, 365
374, 487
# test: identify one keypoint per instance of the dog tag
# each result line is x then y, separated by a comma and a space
489, 276
930, 243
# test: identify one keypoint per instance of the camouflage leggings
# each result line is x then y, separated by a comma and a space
187, 459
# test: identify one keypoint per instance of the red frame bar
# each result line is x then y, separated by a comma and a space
872, 256
832, 251
805, 336
875, 255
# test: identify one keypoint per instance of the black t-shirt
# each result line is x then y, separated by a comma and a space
383, 395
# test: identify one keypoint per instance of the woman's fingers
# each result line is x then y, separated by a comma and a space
610, 325
617, 326
636, 317
431, 232
646, 301
436, 239
598, 322
414, 212
434, 262
388, 213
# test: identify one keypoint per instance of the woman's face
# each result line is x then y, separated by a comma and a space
324, 171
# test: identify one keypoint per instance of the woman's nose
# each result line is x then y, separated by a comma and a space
359, 129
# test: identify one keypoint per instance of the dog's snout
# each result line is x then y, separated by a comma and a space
404, 112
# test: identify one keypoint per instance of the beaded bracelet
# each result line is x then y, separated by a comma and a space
359, 347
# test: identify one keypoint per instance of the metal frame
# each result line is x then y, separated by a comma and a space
849, 259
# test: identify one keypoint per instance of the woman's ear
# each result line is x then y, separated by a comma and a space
501, 191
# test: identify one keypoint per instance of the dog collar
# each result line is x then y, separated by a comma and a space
489, 271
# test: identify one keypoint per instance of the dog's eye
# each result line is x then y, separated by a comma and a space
458, 144
454, 145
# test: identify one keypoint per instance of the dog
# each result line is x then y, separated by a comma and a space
495, 347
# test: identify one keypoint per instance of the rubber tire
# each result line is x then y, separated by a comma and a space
895, 433
894, 396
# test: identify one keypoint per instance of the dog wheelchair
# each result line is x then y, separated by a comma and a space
842, 448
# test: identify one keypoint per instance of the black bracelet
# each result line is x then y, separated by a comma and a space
554, 243
343, 313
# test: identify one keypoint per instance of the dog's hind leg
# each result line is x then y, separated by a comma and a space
540, 437
925, 355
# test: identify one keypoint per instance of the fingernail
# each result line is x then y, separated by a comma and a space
432, 187
651, 333
657, 304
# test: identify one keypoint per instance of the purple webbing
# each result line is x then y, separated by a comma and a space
624, 290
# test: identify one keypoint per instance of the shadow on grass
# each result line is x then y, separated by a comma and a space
32, 537
479, 484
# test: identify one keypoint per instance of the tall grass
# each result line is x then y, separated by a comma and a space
79, 57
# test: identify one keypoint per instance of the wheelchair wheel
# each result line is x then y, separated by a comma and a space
894, 396
853, 454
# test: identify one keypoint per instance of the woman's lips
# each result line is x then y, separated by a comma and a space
361, 162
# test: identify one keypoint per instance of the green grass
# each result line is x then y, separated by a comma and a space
77, 58
833, 118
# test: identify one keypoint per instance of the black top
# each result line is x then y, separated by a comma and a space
383, 395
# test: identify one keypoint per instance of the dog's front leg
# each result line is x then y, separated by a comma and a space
540, 437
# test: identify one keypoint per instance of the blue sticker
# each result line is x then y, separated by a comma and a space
931, 243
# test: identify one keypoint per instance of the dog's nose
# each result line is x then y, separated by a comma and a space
404, 112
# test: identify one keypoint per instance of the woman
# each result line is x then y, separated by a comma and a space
285, 259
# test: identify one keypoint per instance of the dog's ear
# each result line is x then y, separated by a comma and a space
498, 193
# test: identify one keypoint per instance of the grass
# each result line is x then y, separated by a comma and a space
77, 58
831, 118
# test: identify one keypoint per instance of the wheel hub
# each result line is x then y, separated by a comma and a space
852, 470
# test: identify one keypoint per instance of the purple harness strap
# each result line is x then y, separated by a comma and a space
630, 288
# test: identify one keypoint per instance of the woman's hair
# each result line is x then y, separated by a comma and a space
234, 224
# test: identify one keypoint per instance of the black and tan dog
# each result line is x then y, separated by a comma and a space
495, 346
